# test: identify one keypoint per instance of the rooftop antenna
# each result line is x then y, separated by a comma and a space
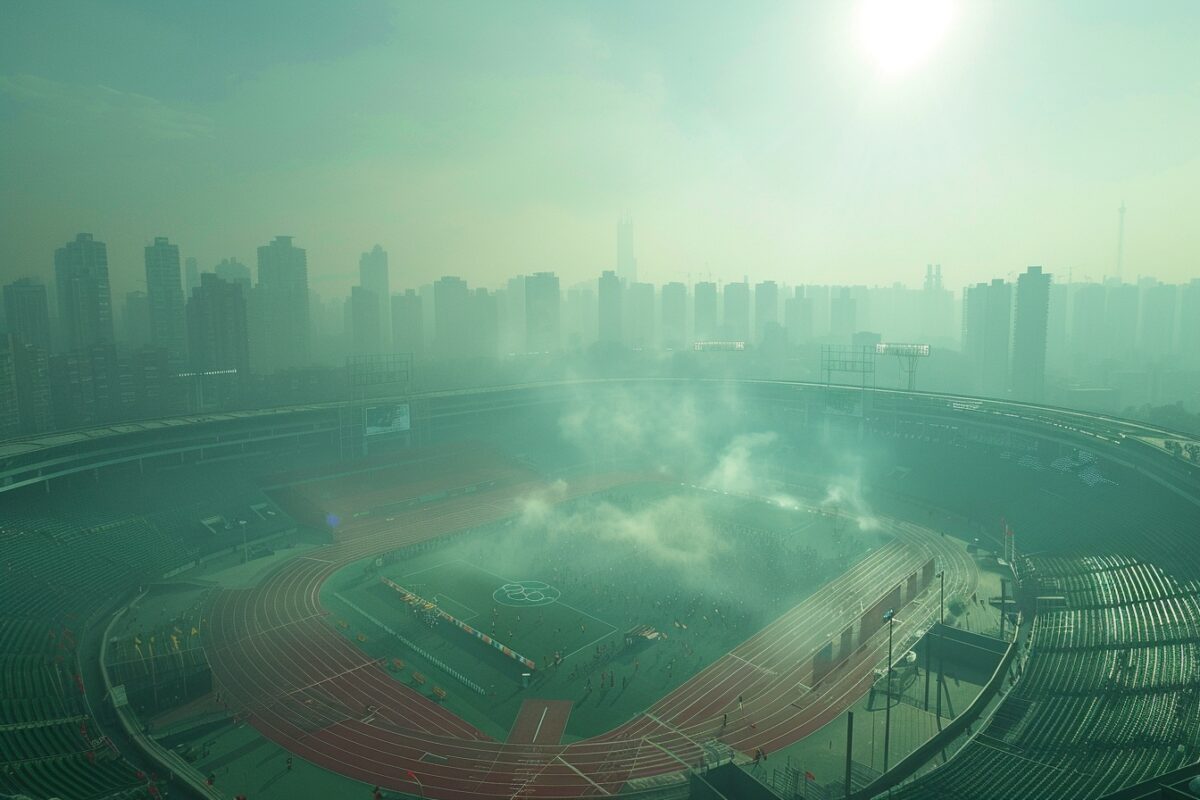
1120, 239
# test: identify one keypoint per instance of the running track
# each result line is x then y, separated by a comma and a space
283, 667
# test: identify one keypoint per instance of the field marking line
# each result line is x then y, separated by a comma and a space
572, 767
313, 558
461, 604
751, 663
427, 569
559, 602
687, 766
539, 725
589, 644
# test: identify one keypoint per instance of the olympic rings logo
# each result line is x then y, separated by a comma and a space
526, 593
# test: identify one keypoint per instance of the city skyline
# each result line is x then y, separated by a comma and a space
786, 151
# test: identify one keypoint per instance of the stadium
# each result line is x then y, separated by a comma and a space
606, 588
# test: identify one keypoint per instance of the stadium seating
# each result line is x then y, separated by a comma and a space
1108, 696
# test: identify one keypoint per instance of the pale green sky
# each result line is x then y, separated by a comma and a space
486, 139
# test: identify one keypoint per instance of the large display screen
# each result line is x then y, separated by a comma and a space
387, 419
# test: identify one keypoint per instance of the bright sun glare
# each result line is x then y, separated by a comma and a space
898, 35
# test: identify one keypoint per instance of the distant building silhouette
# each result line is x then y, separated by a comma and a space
408, 325
373, 276
639, 315
543, 313
766, 308
674, 315
453, 326
704, 303
191, 277
363, 321
736, 320
135, 319
234, 271
987, 330
611, 312
1156, 337
280, 310
843, 315
84, 295
1029, 335
27, 312
798, 317
218, 330
164, 291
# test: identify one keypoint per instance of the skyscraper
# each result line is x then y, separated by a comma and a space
164, 291
674, 315
373, 276
408, 326
218, 335
798, 317
543, 313
987, 330
843, 315
282, 321
191, 271
705, 311
1156, 339
234, 271
766, 308
452, 323
626, 263
365, 325
610, 317
84, 296
1029, 335
27, 312
736, 322
639, 319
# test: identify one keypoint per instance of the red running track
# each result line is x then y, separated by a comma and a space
302, 685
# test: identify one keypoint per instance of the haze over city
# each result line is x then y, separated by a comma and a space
487, 140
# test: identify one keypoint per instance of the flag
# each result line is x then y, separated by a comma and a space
412, 775
808, 776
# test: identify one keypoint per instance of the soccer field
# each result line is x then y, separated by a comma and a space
700, 571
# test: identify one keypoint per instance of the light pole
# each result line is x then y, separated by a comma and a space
941, 623
888, 617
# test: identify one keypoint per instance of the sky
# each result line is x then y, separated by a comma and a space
487, 139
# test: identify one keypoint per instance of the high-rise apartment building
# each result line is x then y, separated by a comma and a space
543, 313
453, 325
736, 302
704, 304
164, 292
987, 331
766, 308
84, 295
408, 324
1029, 335
27, 312
281, 324
218, 331
611, 312
373, 276
674, 315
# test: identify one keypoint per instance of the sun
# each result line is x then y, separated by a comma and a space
900, 35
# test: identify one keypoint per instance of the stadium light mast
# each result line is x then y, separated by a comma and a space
889, 617
941, 623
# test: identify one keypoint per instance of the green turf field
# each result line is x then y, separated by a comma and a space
562, 583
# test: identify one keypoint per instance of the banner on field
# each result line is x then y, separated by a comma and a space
422, 603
